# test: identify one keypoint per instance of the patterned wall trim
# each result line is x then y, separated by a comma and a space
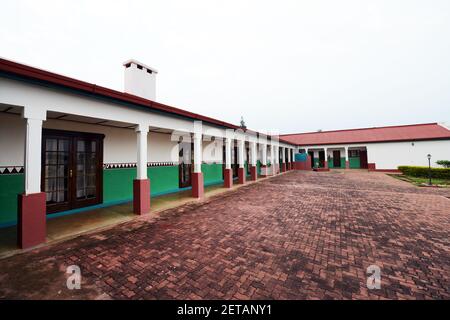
11, 170
133, 165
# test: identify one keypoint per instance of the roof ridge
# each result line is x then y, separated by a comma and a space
359, 129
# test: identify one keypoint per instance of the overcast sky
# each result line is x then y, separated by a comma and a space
294, 66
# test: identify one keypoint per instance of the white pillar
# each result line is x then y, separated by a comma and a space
253, 153
197, 152
241, 144
283, 154
33, 149
272, 154
141, 131
264, 154
228, 142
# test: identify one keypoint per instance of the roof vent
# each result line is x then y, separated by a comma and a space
140, 80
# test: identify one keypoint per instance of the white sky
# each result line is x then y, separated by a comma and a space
289, 65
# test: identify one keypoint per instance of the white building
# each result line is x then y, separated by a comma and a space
376, 149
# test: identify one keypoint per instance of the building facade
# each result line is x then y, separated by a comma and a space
375, 149
68, 146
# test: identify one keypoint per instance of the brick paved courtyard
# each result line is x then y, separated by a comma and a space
302, 235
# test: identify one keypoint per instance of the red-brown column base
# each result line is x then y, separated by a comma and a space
141, 196
241, 175
325, 165
253, 173
228, 178
198, 190
347, 165
32, 220
371, 166
283, 167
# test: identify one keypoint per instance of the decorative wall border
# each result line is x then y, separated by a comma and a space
11, 170
126, 165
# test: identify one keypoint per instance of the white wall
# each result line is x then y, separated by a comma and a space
394, 154
12, 140
120, 145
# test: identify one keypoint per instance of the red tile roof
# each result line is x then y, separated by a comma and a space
24, 71
414, 132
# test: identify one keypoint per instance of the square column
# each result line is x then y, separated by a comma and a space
228, 173
283, 159
32, 219
253, 168
198, 188
292, 159
325, 164
141, 185
241, 170
288, 160
272, 158
347, 163
263, 159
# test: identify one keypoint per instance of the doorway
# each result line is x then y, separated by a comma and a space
321, 159
72, 165
336, 159
311, 155
185, 157
363, 159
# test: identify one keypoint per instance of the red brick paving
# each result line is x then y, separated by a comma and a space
302, 235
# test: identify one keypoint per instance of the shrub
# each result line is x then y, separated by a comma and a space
444, 163
422, 172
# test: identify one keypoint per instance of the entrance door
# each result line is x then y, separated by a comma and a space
186, 155
321, 159
72, 165
234, 162
311, 155
363, 159
336, 159
247, 153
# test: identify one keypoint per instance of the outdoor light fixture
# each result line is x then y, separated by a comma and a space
429, 169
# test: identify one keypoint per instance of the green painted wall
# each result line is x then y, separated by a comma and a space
10, 186
354, 163
118, 183
212, 173
330, 163
163, 179
258, 167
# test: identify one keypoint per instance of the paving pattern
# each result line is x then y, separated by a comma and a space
301, 235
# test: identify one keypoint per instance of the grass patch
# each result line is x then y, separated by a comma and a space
421, 181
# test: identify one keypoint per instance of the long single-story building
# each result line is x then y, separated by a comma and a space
375, 149
68, 145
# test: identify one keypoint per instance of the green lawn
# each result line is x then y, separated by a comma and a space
420, 181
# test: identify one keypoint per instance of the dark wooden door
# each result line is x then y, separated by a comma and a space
247, 157
72, 165
321, 159
234, 162
336, 159
186, 156
311, 155
363, 159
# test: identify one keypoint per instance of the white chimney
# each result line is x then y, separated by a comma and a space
140, 80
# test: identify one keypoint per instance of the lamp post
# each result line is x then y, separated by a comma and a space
429, 169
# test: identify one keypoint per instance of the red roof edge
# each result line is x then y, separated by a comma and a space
54, 78
357, 129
